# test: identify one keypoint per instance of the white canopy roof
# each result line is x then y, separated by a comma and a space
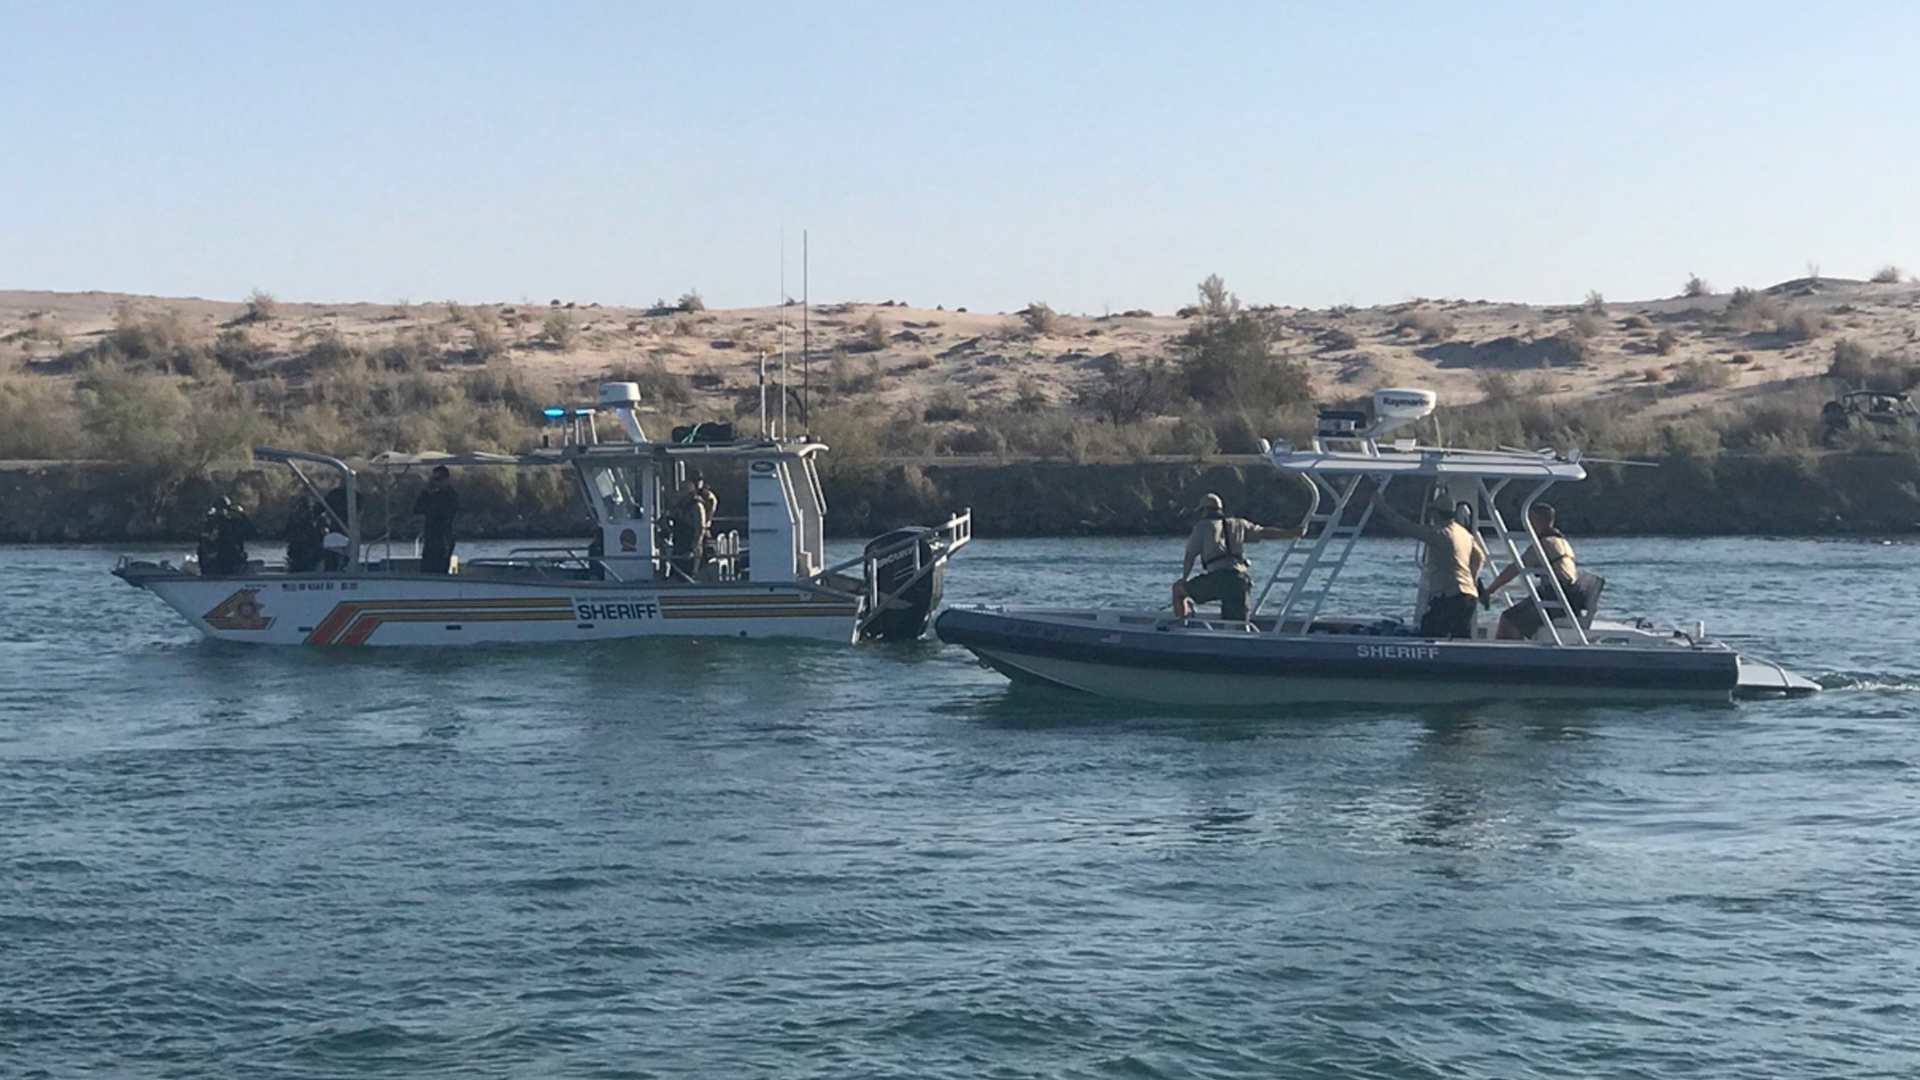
1431, 461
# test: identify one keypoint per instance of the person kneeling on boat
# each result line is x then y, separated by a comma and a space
1522, 621
1218, 544
1453, 558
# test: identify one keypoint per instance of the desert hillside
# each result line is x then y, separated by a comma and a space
904, 367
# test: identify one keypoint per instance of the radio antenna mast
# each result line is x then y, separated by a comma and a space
806, 337
783, 339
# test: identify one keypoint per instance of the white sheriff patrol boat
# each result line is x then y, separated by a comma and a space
1295, 654
773, 582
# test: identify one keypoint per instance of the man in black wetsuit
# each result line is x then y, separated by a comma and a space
306, 537
439, 504
224, 534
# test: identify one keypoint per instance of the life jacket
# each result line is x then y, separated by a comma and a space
1233, 546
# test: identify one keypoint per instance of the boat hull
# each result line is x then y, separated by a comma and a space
1134, 659
393, 610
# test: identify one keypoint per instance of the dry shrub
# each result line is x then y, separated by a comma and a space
1636, 322
562, 329
657, 383
1859, 368
1588, 324
1750, 311
1887, 275
1428, 326
1336, 340
262, 307
1696, 287
1596, 303
1691, 375
1040, 319
1666, 342
690, 301
1802, 325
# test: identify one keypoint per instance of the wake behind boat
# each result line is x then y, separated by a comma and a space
1298, 655
628, 581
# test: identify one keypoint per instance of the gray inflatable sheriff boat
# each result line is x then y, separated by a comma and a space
1298, 655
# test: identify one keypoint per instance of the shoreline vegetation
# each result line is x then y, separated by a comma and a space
121, 416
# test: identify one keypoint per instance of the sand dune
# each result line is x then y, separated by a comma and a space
901, 354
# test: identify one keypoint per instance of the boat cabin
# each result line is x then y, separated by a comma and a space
629, 485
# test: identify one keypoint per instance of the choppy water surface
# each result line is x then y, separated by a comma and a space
673, 859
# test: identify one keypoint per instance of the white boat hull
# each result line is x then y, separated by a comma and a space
339, 610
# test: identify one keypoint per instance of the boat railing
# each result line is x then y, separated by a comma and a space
928, 546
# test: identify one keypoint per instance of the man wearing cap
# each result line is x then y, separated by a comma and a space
1218, 544
1453, 557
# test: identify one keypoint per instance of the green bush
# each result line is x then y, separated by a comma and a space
1126, 393
1192, 436
1230, 362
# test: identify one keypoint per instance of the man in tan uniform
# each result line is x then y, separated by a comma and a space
1453, 559
1218, 544
1522, 620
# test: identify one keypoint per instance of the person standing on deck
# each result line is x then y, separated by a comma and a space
1453, 558
1218, 543
224, 533
438, 504
693, 512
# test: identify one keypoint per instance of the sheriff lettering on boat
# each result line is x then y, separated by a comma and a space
773, 581
1296, 654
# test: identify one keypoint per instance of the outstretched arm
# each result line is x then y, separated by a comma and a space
1512, 571
1402, 524
1277, 532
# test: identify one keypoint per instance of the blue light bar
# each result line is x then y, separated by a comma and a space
554, 412
584, 410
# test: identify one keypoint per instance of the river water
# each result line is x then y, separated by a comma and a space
680, 859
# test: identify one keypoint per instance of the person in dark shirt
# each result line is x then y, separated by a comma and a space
306, 537
223, 539
438, 504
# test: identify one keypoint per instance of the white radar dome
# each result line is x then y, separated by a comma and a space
1396, 408
619, 393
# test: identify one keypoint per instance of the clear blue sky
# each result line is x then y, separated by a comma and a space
981, 154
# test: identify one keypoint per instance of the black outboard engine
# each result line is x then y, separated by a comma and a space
892, 560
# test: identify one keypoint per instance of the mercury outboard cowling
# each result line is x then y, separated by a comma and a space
893, 564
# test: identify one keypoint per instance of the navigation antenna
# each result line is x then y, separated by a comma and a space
783, 345
806, 337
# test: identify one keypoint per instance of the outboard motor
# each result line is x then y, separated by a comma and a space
892, 563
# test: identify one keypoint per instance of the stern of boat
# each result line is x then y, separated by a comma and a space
904, 577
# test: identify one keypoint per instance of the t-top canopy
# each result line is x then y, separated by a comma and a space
1405, 460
